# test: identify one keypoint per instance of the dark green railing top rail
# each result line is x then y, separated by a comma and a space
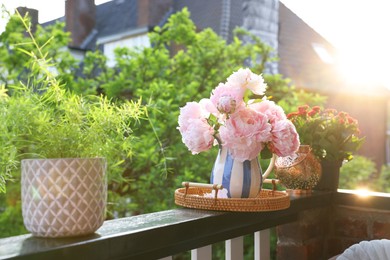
160, 234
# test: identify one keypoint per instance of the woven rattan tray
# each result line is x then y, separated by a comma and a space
267, 200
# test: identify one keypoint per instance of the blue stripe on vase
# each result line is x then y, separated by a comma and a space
261, 174
246, 179
227, 172
212, 175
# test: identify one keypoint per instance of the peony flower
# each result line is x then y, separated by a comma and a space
285, 139
246, 79
198, 135
226, 98
243, 127
245, 133
270, 109
222, 194
208, 107
227, 105
192, 110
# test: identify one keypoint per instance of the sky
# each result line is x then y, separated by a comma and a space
359, 29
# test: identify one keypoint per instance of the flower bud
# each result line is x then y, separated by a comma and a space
226, 105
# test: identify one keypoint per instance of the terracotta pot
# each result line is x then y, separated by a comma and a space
63, 197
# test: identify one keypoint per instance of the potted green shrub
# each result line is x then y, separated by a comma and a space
63, 142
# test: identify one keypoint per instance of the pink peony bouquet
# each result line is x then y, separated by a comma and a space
245, 127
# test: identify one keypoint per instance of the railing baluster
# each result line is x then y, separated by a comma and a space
234, 249
262, 245
203, 253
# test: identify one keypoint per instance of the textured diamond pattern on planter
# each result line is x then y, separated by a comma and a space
63, 197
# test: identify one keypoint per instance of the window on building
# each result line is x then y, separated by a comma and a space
139, 41
323, 53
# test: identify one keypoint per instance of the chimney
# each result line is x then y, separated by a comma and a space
32, 13
150, 12
143, 13
262, 19
80, 20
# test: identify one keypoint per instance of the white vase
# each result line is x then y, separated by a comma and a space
240, 179
63, 197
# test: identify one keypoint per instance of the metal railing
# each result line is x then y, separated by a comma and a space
166, 233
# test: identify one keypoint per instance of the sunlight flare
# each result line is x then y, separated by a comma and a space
363, 192
366, 69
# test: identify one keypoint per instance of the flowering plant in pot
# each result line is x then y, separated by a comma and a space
243, 128
333, 136
62, 143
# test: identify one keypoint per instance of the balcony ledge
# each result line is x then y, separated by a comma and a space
160, 234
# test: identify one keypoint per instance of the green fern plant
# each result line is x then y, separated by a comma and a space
42, 119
